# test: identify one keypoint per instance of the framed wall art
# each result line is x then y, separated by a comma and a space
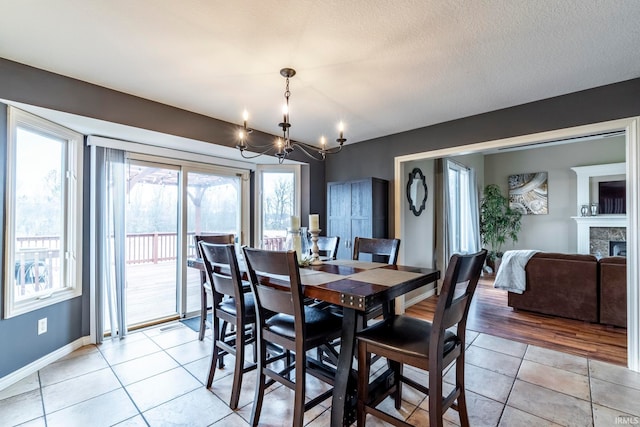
528, 193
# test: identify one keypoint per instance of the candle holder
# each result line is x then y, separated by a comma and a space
315, 252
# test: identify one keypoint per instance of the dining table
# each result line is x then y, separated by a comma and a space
358, 287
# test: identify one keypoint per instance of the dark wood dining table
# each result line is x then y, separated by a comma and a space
358, 287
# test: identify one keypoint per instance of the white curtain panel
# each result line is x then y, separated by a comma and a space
110, 242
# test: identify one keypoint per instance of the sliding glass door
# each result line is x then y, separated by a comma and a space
165, 204
214, 205
151, 224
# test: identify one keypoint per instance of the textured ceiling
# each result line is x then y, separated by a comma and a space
380, 66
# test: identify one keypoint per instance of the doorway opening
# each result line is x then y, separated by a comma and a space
632, 137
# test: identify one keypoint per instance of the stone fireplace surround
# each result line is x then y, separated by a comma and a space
600, 238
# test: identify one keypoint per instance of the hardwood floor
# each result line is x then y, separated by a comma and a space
490, 314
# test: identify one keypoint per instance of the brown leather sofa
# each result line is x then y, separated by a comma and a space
613, 291
576, 287
564, 285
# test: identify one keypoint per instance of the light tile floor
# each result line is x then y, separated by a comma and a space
156, 377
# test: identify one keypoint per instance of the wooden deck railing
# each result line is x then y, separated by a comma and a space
141, 247
273, 243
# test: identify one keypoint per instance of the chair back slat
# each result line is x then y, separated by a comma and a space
275, 300
455, 313
222, 239
267, 262
328, 246
386, 248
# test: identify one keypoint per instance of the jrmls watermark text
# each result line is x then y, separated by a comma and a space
627, 420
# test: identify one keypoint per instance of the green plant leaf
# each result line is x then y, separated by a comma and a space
498, 222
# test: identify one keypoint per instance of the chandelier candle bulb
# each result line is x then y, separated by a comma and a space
314, 222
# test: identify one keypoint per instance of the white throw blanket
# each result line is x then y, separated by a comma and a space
511, 275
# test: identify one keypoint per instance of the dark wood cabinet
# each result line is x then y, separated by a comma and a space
357, 208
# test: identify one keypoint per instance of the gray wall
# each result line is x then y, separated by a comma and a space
375, 157
418, 244
555, 232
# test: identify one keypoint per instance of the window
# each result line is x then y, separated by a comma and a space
462, 209
44, 218
279, 199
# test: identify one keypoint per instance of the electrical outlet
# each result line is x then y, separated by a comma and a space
42, 326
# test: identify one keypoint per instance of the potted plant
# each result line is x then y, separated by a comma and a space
498, 223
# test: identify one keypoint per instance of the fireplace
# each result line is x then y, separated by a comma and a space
595, 232
599, 239
617, 248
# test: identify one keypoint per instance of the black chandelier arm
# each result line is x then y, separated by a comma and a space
247, 145
306, 148
309, 150
267, 151
333, 150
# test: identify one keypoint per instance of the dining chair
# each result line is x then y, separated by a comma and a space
205, 288
430, 346
275, 281
379, 249
328, 246
233, 307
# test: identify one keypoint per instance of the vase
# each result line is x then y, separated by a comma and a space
584, 210
298, 240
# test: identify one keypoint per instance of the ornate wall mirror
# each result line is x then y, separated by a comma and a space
417, 191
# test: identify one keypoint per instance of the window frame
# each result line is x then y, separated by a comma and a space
461, 183
297, 183
71, 247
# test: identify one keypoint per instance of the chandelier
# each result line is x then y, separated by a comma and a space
283, 146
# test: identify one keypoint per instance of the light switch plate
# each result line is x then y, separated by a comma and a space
42, 326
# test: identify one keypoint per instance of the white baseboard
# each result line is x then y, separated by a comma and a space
35, 366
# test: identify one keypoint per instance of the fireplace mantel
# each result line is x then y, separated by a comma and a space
584, 175
587, 222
